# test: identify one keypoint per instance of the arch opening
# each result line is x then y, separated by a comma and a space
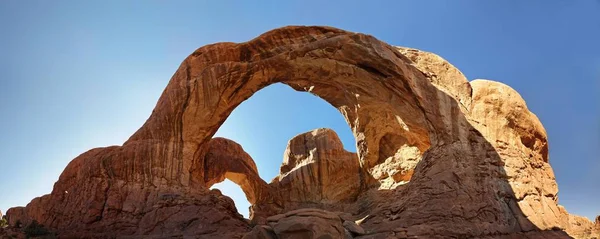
266, 123
235, 192
370, 83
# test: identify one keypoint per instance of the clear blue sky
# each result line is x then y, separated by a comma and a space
75, 75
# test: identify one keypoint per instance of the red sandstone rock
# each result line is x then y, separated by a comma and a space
308, 223
316, 169
437, 156
226, 159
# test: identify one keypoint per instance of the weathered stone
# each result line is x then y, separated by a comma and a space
437, 156
16, 216
596, 230
352, 227
275, 218
261, 232
347, 234
518, 137
311, 223
346, 216
226, 159
317, 170
581, 227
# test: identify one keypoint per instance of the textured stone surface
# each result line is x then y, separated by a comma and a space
226, 159
436, 155
12, 233
261, 232
596, 230
317, 161
353, 228
308, 223
109, 201
316, 170
500, 114
581, 227
16, 215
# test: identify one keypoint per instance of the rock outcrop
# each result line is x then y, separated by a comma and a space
226, 159
437, 155
317, 172
306, 223
317, 169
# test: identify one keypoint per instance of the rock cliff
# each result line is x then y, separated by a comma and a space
437, 155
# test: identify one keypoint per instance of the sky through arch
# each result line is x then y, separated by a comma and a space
264, 134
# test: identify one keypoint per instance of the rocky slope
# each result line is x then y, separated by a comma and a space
437, 155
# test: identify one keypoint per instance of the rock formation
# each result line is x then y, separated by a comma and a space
307, 223
318, 165
316, 172
437, 155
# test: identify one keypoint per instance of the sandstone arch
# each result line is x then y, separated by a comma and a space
482, 158
363, 85
226, 159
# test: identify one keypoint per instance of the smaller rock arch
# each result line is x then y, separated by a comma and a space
226, 159
316, 170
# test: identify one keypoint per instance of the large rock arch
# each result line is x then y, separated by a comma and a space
464, 147
359, 81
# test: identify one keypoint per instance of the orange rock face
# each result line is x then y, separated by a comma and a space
437, 155
317, 170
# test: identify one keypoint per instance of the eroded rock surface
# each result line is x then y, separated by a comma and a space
306, 223
317, 171
437, 155
227, 159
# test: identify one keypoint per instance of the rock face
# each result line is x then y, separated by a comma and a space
596, 230
317, 163
317, 172
16, 216
437, 155
306, 223
227, 159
